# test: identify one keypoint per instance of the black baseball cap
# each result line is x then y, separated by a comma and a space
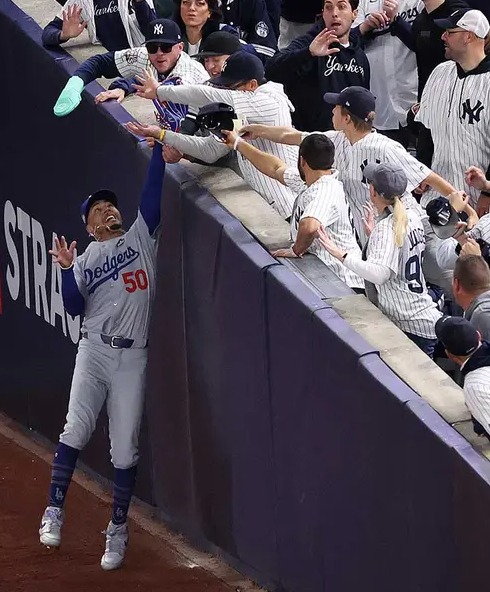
215, 117
163, 31
442, 217
239, 67
219, 43
388, 179
356, 99
457, 335
100, 195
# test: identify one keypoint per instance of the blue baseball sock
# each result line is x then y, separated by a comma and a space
65, 459
124, 480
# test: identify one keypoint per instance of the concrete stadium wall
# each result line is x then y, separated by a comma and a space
274, 434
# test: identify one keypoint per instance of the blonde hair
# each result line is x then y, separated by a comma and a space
400, 222
360, 125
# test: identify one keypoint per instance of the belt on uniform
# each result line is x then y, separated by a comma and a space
115, 341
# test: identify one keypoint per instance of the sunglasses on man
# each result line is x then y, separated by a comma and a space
153, 46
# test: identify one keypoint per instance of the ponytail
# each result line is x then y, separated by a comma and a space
400, 222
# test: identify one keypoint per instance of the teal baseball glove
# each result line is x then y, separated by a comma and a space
70, 97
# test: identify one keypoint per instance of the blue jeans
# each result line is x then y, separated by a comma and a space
426, 345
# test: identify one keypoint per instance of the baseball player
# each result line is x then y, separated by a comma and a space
320, 200
393, 64
392, 260
112, 284
455, 104
241, 85
117, 24
162, 54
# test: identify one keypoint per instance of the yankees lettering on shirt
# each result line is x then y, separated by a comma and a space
111, 8
455, 107
333, 65
30, 273
110, 269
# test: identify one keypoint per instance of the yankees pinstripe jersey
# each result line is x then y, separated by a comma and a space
325, 201
393, 66
477, 395
267, 105
403, 298
455, 107
132, 62
352, 159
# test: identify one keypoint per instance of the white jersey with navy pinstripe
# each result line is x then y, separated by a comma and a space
268, 105
325, 201
374, 148
403, 298
134, 62
456, 109
477, 395
394, 79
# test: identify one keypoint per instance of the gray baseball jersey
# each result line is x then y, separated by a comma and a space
116, 277
374, 148
403, 298
394, 79
325, 201
456, 109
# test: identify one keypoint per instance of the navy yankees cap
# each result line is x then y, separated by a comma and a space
215, 117
356, 99
388, 179
239, 67
100, 195
473, 21
442, 217
457, 335
163, 31
219, 43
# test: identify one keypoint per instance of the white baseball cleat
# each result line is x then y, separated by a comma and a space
116, 541
50, 529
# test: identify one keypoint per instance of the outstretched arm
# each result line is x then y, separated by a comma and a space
152, 191
280, 135
73, 301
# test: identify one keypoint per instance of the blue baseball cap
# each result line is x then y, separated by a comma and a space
100, 195
356, 99
442, 217
239, 67
457, 335
163, 31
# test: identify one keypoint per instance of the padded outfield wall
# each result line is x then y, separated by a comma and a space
274, 434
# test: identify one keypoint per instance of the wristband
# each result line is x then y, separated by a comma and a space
66, 268
293, 253
237, 141
162, 135
485, 193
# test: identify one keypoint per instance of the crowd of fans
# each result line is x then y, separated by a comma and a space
364, 123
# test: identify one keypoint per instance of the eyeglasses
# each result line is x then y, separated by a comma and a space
447, 32
153, 46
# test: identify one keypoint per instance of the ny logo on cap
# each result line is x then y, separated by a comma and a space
158, 29
223, 67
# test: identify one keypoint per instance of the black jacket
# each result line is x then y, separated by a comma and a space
305, 11
306, 78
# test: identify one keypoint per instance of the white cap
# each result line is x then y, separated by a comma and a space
475, 22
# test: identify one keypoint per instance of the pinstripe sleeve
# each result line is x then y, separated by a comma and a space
322, 207
293, 180
131, 62
415, 170
477, 395
381, 247
429, 100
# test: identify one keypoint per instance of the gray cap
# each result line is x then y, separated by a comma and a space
388, 179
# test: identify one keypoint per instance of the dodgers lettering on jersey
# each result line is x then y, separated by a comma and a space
403, 298
352, 159
325, 201
457, 112
117, 279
